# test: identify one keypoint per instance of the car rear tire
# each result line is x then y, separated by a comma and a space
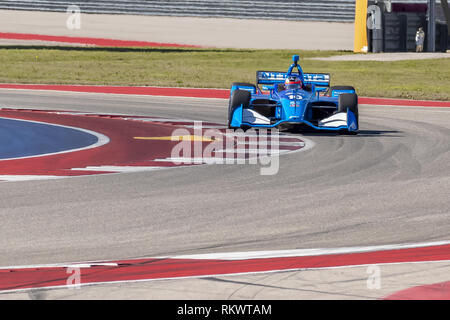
238, 98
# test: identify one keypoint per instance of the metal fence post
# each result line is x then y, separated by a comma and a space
431, 26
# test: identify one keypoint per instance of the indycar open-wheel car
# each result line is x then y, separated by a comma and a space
293, 99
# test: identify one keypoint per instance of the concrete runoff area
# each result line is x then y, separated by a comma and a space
208, 32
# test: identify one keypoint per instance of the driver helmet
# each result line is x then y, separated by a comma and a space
293, 82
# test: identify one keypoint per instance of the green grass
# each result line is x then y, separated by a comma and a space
216, 68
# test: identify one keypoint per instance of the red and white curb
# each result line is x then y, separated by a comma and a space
136, 144
20, 278
101, 42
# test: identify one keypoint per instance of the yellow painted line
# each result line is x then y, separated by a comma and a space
178, 138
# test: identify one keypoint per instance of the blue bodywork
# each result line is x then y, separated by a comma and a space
312, 105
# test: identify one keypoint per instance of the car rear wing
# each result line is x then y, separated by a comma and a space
272, 77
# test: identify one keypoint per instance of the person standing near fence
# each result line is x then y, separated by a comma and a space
420, 39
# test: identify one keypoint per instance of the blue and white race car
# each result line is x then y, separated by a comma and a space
293, 100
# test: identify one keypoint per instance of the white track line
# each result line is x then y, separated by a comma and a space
121, 168
250, 254
293, 144
304, 252
64, 265
163, 120
262, 152
212, 160
28, 177
205, 127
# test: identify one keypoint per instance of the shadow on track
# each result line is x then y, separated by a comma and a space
361, 133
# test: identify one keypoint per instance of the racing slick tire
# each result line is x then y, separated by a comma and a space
238, 98
349, 101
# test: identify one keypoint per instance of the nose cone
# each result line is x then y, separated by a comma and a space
293, 105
